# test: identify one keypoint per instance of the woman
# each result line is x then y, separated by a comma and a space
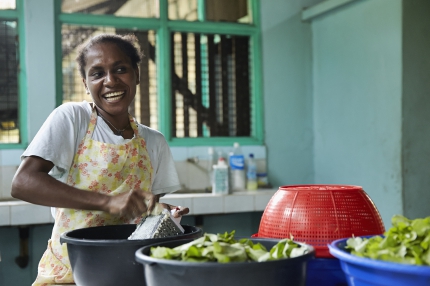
92, 161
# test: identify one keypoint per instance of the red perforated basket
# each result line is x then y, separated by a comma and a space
320, 214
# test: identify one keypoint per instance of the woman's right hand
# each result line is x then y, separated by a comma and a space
132, 204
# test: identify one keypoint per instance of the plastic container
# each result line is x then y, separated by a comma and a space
323, 271
361, 271
220, 178
237, 168
162, 272
262, 179
251, 174
211, 162
320, 214
104, 256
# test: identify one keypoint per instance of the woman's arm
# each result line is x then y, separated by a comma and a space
33, 184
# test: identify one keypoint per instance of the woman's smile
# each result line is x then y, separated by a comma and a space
114, 96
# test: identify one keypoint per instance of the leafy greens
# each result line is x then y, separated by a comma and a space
224, 248
407, 241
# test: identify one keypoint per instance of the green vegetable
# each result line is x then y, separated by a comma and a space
224, 248
407, 241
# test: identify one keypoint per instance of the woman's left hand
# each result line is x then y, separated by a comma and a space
179, 211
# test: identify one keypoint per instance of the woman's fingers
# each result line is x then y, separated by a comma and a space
179, 211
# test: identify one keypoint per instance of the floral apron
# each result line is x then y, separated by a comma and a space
97, 167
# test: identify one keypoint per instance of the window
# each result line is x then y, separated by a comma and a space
200, 76
11, 126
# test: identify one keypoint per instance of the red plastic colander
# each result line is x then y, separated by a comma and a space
320, 214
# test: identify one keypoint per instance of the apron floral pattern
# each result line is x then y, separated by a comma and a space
97, 167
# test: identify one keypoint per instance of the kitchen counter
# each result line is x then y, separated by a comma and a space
16, 212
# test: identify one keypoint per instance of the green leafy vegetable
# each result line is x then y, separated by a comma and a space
407, 241
224, 248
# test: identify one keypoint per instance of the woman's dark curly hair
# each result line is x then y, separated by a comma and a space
127, 43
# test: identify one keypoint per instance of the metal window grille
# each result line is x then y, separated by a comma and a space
144, 108
211, 94
9, 63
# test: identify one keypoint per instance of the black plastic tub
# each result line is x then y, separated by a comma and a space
104, 256
162, 272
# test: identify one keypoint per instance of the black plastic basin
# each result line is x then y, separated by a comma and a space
162, 272
103, 256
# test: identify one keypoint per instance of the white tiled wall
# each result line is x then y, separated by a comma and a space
6, 175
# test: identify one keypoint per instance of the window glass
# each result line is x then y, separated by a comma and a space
144, 108
235, 11
211, 85
9, 123
122, 8
7, 4
232, 11
183, 10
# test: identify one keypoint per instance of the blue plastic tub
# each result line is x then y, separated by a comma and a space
369, 272
325, 272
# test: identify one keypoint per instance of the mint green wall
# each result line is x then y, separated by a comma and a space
357, 89
287, 70
40, 61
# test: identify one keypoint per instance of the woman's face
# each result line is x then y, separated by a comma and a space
110, 78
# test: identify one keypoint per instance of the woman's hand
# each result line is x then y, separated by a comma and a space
132, 204
179, 211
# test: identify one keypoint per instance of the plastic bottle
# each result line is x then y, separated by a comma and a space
237, 168
211, 162
220, 184
251, 174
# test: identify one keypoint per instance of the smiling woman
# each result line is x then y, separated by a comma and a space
109, 168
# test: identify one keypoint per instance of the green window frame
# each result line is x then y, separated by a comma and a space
163, 28
18, 15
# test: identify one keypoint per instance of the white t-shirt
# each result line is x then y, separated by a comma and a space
59, 137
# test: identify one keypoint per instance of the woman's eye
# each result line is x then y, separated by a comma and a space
96, 74
121, 69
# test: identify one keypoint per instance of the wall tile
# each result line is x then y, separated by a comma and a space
30, 214
208, 204
6, 176
238, 203
4, 215
261, 201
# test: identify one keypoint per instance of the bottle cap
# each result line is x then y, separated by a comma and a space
251, 155
221, 162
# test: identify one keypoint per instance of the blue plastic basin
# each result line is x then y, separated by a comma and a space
361, 271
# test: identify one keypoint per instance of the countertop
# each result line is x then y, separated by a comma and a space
16, 212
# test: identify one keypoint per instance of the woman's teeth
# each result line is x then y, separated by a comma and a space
114, 96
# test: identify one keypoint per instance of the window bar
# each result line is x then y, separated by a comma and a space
198, 97
225, 51
174, 88
145, 117
186, 99
212, 122
243, 104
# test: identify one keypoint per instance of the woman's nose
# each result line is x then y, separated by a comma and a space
110, 79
